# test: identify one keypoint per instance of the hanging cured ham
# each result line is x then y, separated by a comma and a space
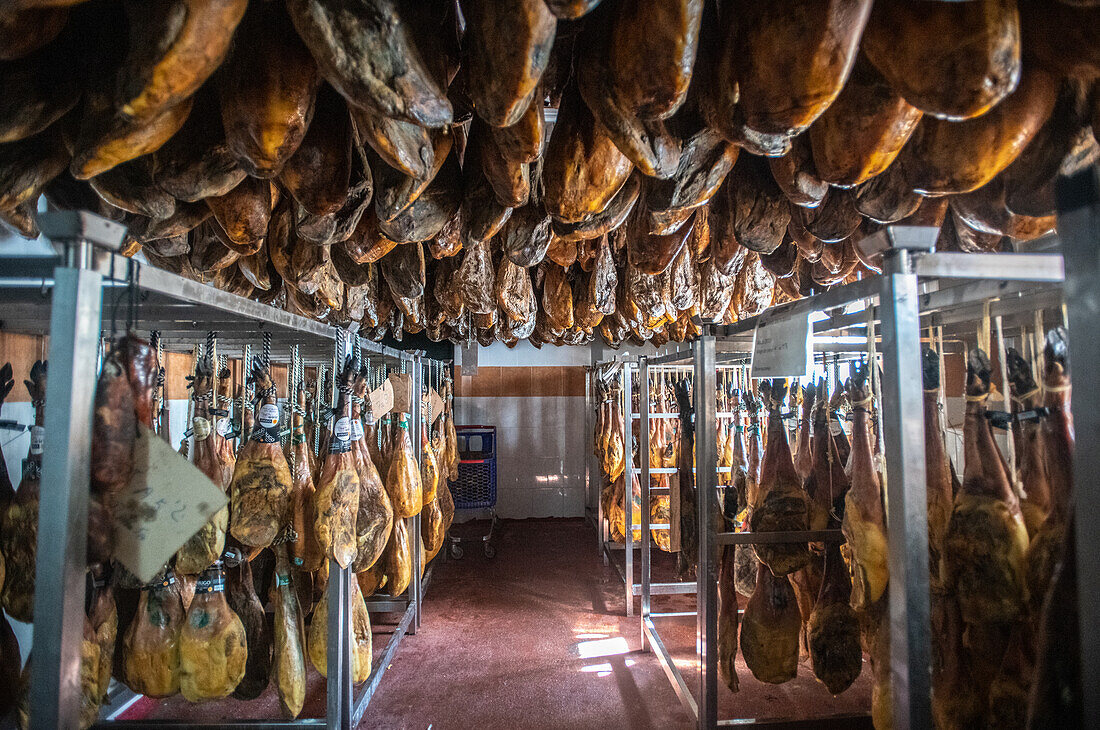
403, 477
288, 669
19, 531
206, 546
835, 650
151, 644
1056, 435
374, 517
261, 488
781, 503
937, 467
983, 551
336, 501
770, 629
114, 430
213, 648
689, 537
240, 594
864, 523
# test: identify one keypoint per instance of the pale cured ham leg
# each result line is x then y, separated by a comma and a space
864, 527
986, 538
782, 504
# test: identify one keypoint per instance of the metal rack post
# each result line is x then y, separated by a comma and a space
339, 609
906, 486
1079, 225
63, 505
628, 488
414, 526
706, 492
643, 454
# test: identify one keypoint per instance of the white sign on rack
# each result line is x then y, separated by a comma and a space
782, 348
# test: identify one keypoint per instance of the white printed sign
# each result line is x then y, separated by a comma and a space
782, 348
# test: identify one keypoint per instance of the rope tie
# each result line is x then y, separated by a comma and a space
977, 398
1057, 388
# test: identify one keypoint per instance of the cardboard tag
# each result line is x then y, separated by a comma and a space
782, 348
435, 406
381, 400
166, 502
402, 392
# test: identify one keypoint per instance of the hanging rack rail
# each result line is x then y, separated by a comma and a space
70, 296
952, 289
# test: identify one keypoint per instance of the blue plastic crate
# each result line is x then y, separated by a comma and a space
476, 487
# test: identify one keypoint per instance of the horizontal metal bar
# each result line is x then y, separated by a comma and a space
231, 725
671, 670
1045, 267
672, 614
379, 669
663, 470
671, 358
835, 297
387, 605
833, 722
672, 589
769, 538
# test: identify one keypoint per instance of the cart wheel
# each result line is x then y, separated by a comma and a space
456, 551
490, 551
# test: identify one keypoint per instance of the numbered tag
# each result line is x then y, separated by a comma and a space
38, 436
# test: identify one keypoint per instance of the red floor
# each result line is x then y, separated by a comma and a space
538, 638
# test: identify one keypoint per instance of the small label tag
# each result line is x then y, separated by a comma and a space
224, 426
38, 436
268, 416
368, 417
356, 430
212, 581
835, 428
282, 579
342, 430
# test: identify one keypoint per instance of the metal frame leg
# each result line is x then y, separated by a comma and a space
339, 647
628, 488
910, 630
706, 487
415, 586
63, 506
643, 454
1079, 228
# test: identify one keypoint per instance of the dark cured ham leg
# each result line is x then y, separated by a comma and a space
727, 618
986, 538
834, 629
1026, 395
1056, 433
782, 504
689, 539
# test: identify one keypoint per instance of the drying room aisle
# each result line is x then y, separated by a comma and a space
536, 638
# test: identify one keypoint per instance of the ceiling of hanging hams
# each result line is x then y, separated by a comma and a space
392, 163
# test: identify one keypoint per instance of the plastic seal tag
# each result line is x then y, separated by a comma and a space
282, 579
356, 430
299, 561
224, 427
369, 417
835, 428
38, 436
212, 581
268, 415
342, 429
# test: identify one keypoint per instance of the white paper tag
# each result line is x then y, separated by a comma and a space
223, 426
268, 416
38, 436
166, 502
342, 429
356, 430
835, 428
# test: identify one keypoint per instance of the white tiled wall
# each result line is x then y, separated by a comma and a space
540, 452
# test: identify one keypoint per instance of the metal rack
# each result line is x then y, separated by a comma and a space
64, 297
942, 288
